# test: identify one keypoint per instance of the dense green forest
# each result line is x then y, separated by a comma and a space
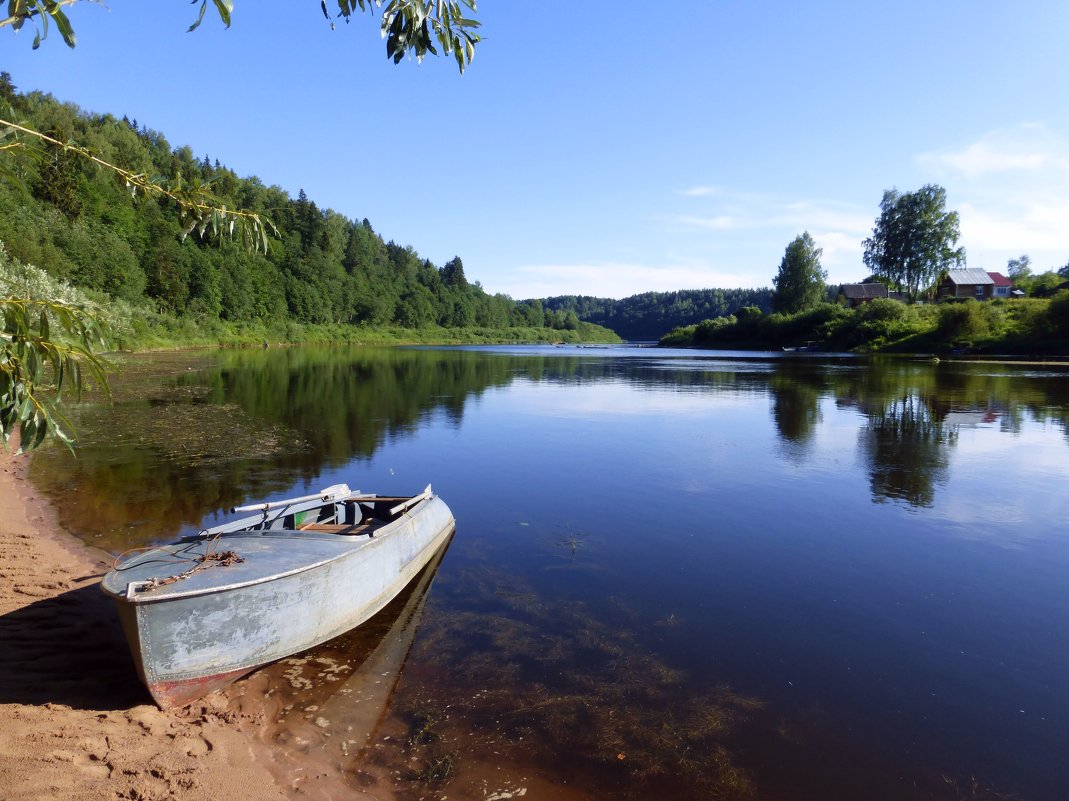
649, 315
83, 227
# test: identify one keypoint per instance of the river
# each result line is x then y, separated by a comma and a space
679, 574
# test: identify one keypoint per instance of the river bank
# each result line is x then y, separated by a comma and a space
74, 721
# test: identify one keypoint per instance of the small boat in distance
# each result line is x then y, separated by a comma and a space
215, 606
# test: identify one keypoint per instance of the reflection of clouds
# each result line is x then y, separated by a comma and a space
1037, 451
995, 521
623, 398
1002, 484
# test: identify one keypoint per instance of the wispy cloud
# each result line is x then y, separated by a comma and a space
614, 280
1025, 148
1011, 188
699, 191
773, 221
754, 211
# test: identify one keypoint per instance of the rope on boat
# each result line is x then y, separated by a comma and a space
223, 559
202, 562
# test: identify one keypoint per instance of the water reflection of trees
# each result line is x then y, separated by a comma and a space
190, 434
906, 448
915, 411
204, 433
796, 395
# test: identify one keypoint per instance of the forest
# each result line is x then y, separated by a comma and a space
319, 271
649, 315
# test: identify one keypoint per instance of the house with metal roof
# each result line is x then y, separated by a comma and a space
966, 283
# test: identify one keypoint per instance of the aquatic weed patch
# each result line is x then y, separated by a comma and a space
546, 684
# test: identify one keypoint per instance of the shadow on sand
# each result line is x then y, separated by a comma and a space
68, 649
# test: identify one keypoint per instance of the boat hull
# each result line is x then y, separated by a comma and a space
187, 645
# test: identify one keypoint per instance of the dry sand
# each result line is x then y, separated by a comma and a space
75, 722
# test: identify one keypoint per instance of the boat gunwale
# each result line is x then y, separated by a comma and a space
356, 541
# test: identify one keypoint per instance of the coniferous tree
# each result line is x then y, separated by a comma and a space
799, 284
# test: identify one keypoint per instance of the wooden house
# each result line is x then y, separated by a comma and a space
857, 294
966, 283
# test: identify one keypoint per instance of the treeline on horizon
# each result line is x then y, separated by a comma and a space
649, 315
81, 226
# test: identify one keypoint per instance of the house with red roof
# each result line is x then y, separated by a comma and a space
979, 284
1003, 286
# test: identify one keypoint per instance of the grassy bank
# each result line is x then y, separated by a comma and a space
161, 332
138, 325
1011, 326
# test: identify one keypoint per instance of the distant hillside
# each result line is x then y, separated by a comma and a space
83, 227
651, 315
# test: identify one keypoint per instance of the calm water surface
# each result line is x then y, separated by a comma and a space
675, 573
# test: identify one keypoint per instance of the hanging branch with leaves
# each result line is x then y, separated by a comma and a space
200, 210
47, 349
408, 26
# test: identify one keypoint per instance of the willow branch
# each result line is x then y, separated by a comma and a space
201, 212
34, 11
131, 178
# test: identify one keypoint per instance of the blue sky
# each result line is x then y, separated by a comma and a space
610, 149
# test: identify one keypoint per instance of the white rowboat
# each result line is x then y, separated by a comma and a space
210, 608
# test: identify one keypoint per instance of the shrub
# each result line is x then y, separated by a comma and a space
962, 321
747, 313
682, 335
883, 309
709, 329
1058, 313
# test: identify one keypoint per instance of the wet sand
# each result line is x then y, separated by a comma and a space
75, 723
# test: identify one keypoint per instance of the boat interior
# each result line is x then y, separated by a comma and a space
347, 513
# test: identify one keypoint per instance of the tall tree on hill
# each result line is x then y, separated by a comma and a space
453, 274
799, 284
914, 239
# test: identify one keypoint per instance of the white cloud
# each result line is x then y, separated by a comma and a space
754, 212
1011, 189
1016, 227
613, 280
699, 191
1029, 147
840, 249
765, 224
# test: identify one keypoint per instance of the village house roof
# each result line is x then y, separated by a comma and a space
863, 291
969, 277
1000, 279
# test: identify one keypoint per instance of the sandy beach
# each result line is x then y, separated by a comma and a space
77, 725
75, 722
